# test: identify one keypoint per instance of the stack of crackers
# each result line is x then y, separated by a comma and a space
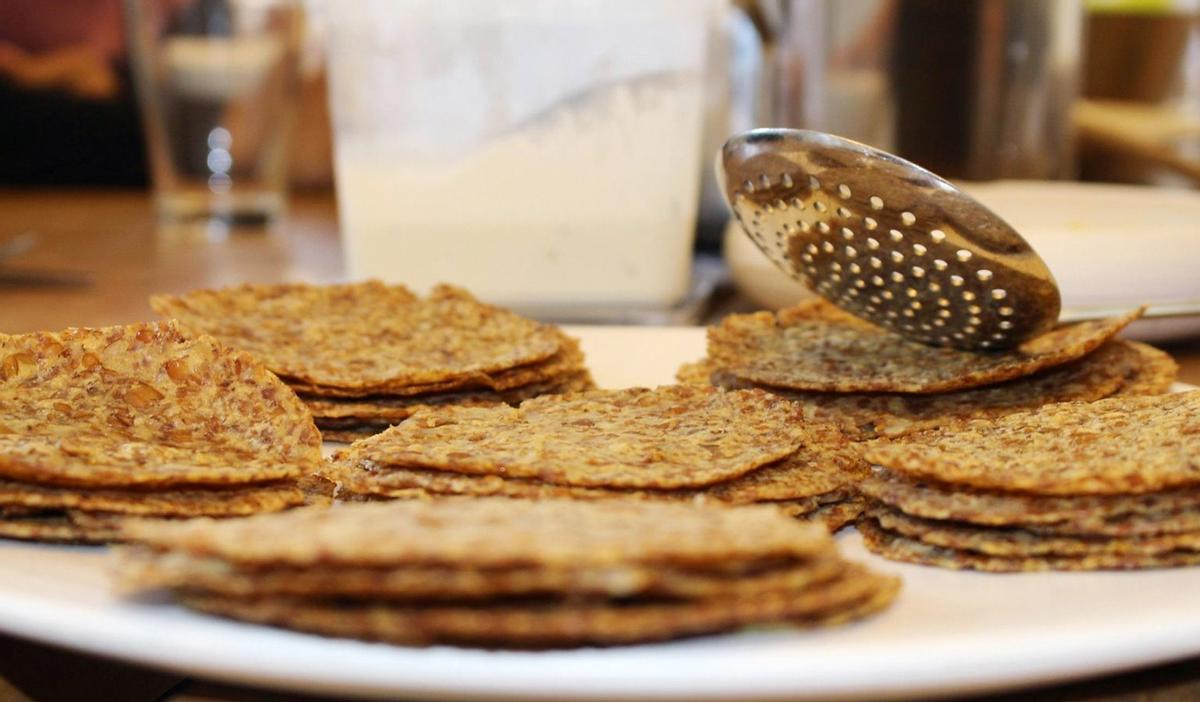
101, 425
1073, 486
367, 355
514, 573
673, 443
873, 383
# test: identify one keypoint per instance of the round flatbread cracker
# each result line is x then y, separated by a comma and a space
665, 438
900, 548
494, 533
821, 470
1110, 515
364, 336
397, 409
864, 416
140, 569
57, 528
1154, 374
1014, 542
834, 356
519, 383
233, 501
145, 405
1121, 445
554, 624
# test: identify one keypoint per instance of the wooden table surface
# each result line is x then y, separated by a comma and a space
98, 256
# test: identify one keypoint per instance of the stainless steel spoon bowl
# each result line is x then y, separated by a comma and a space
886, 239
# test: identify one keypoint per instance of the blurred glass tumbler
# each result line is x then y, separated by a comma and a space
543, 153
217, 81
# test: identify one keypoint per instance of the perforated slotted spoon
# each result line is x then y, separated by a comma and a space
886, 239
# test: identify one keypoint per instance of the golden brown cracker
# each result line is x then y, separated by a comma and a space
142, 569
864, 416
57, 528
185, 502
806, 473
1116, 446
1109, 515
364, 335
551, 624
1154, 373
832, 356
143, 405
900, 548
395, 409
668, 437
494, 533
1016, 542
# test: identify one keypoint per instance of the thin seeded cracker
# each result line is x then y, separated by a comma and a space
367, 336
866, 416
237, 500
565, 367
821, 470
397, 409
900, 548
495, 533
668, 437
832, 356
1154, 374
1122, 445
145, 405
1111, 515
141, 569
57, 528
552, 624
1015, 542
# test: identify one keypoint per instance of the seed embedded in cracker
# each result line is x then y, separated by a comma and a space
368, 337
819, 354
1116, 446
668, 437
145, 405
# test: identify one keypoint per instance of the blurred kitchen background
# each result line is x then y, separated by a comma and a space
556, 155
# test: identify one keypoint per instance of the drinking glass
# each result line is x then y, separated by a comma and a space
217, 81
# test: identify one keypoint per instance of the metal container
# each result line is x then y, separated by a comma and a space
971, 89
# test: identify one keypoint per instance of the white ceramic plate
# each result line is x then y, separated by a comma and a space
1107, 245
949, 632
